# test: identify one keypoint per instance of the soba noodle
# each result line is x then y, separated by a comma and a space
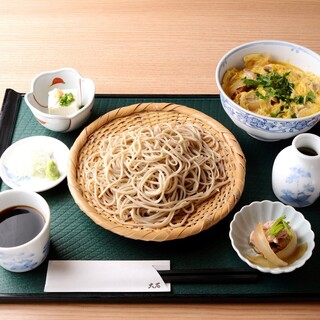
150, 175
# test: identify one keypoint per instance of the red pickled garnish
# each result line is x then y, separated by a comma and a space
56, 81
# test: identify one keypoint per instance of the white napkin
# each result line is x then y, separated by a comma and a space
106, 276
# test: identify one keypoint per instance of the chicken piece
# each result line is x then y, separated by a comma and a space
277, 242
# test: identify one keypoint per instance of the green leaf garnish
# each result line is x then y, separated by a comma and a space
278, 87
251, 83
279, 225
274, 84
304, 99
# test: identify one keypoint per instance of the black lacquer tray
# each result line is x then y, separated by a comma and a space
75, 237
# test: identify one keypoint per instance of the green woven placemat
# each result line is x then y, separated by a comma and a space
74, 236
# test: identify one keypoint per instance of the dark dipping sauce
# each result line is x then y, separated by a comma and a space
308, 151
19, 225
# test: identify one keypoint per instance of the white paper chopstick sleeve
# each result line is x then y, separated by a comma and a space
106, 276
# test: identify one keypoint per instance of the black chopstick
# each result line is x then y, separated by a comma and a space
223, 275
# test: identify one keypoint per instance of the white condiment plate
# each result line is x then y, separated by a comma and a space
249, 216
16, 162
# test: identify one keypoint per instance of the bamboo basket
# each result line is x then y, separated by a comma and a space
205, 215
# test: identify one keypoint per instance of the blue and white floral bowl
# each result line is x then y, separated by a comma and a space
258, 126
31, 254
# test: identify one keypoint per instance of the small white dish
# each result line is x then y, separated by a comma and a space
16, 162
65, 78
249, 216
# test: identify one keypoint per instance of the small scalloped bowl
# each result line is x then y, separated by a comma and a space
65, 78
249, 216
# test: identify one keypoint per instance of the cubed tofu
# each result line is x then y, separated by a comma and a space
59, 102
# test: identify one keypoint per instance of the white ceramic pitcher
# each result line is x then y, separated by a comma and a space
296, 171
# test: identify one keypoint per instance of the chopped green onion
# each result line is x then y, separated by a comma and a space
279, 225
66, 99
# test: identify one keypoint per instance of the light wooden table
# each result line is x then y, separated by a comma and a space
140, 46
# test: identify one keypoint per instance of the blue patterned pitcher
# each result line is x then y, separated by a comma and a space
296, 171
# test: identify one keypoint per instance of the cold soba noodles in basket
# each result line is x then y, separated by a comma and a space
146, 176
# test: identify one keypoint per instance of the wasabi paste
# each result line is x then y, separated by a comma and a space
52, 171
